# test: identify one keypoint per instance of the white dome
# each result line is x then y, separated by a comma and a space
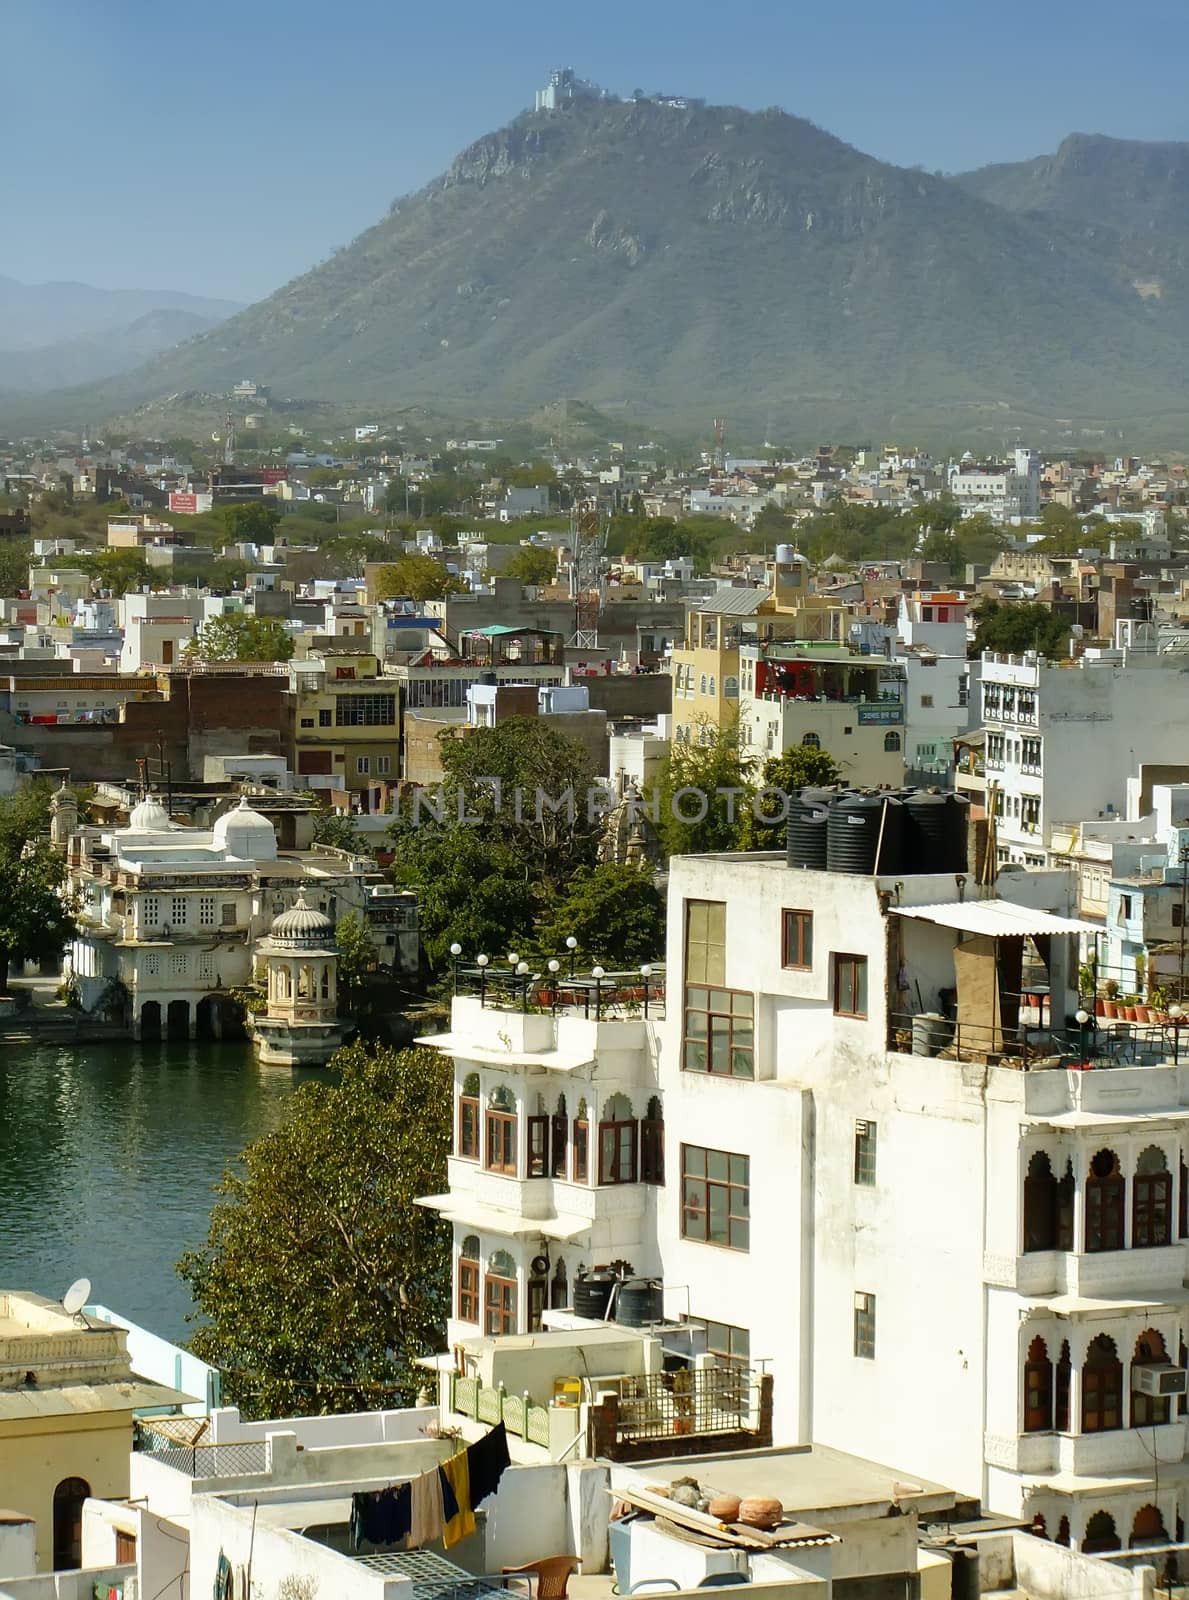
302, 924
150, 816
245, 835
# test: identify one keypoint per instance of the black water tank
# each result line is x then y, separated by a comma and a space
489, 678
639, 1302
805, 830
936, 831
592, 1294
852, 833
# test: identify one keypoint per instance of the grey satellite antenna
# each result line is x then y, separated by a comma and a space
76, 1298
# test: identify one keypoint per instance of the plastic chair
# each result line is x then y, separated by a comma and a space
651, 1585
723, 1580
552, 1575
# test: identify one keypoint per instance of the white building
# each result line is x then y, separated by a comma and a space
1063, 740
1008, 493
157, 627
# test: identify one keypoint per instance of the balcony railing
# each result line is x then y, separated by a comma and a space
471, 1397
722, 1408
204, 1460
600, 995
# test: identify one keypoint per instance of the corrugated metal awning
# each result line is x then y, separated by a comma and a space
995, 919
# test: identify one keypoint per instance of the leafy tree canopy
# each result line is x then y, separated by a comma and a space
532, 564
1011, 629
416, 577
336, 830
707, 770
357, 959
36, 919
251, 522
320, 1281
616, 913
795, 768
236, 637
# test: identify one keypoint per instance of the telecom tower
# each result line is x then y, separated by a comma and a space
229, 441
588, 543
720, 434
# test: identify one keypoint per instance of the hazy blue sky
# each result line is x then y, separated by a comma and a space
224, 148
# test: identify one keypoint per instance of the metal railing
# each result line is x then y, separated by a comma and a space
691, 1402
1033, 1044
610, 995
204, 1460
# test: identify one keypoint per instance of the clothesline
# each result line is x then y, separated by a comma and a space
439, 1503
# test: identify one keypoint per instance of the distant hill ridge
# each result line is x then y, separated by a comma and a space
691, 261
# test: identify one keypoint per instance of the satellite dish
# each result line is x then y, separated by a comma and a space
76, 1296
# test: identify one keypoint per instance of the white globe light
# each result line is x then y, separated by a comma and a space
646, 972
597, 972
521, 968
1082, 1016
455, 949
482, 960
555, 966
571, 943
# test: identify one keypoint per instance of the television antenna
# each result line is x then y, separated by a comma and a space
76, 1298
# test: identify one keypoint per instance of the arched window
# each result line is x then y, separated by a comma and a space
1148, 1528
1064, 1374
730, 688
324, 986
712, 685
559, 1140
538, 1292
891, 742
468, 1117
68, 1522
1040, 1205
702, 684
618, 1142
581, 1162
1105, 1188
1148, 1410
811, 741
1151, 1201
501, 1132
1063, 1532
1100, 1534
1038, 1389
559, 1296
652, 1143
468, 1280
1102, 1387
499, 1297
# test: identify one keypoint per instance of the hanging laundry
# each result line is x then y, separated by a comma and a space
461, 1522
381, 1516
427, 1509
486, 1460
449, 1500
223, 1580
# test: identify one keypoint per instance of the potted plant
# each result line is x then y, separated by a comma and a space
1157, 1003
1127, 1007
1110, 990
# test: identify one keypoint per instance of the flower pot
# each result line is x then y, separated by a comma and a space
1143, 1013
1128, 1013
1100, 1007
683, 1425
1110, 1010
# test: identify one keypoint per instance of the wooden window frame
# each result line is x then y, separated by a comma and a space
652, 1150
696, 1213
1151, 1210
499, 1308
1106, 1211
1062, 1388
1038, 1393
559, 1145
1102, 1396
622, 1165
858, 969
581, 1158
796, 941
496, 1131
468, 1290
728, 1028
470, 1142
537, 1130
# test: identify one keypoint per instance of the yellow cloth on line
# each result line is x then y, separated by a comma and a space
459, 1478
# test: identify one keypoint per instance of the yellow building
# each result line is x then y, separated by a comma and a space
67, 1394
705, 667
347, 721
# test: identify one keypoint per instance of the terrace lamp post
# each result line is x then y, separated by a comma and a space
572, 947
554, 969
1176, 1013
455, 952
646, 974
481, 963
598, 975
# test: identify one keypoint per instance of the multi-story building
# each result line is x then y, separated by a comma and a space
879, 1226
826, 696
1063, 740
1008, 492
558, 1148
347, 721
706, 666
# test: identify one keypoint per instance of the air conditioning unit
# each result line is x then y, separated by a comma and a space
1159, 1382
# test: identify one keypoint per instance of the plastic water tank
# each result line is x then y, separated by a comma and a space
640, 1301
931, 1032
937, 824
785, 555
805, 830
592, 1294
853, 833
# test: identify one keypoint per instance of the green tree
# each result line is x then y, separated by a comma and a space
16, 556
236, 637
1012, 629
321, 1281
533, 565
357, 959
36, 915
616, 913
470, 890
336, 830
795, 768
250, 522
416, 577
117, 571
715, 774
